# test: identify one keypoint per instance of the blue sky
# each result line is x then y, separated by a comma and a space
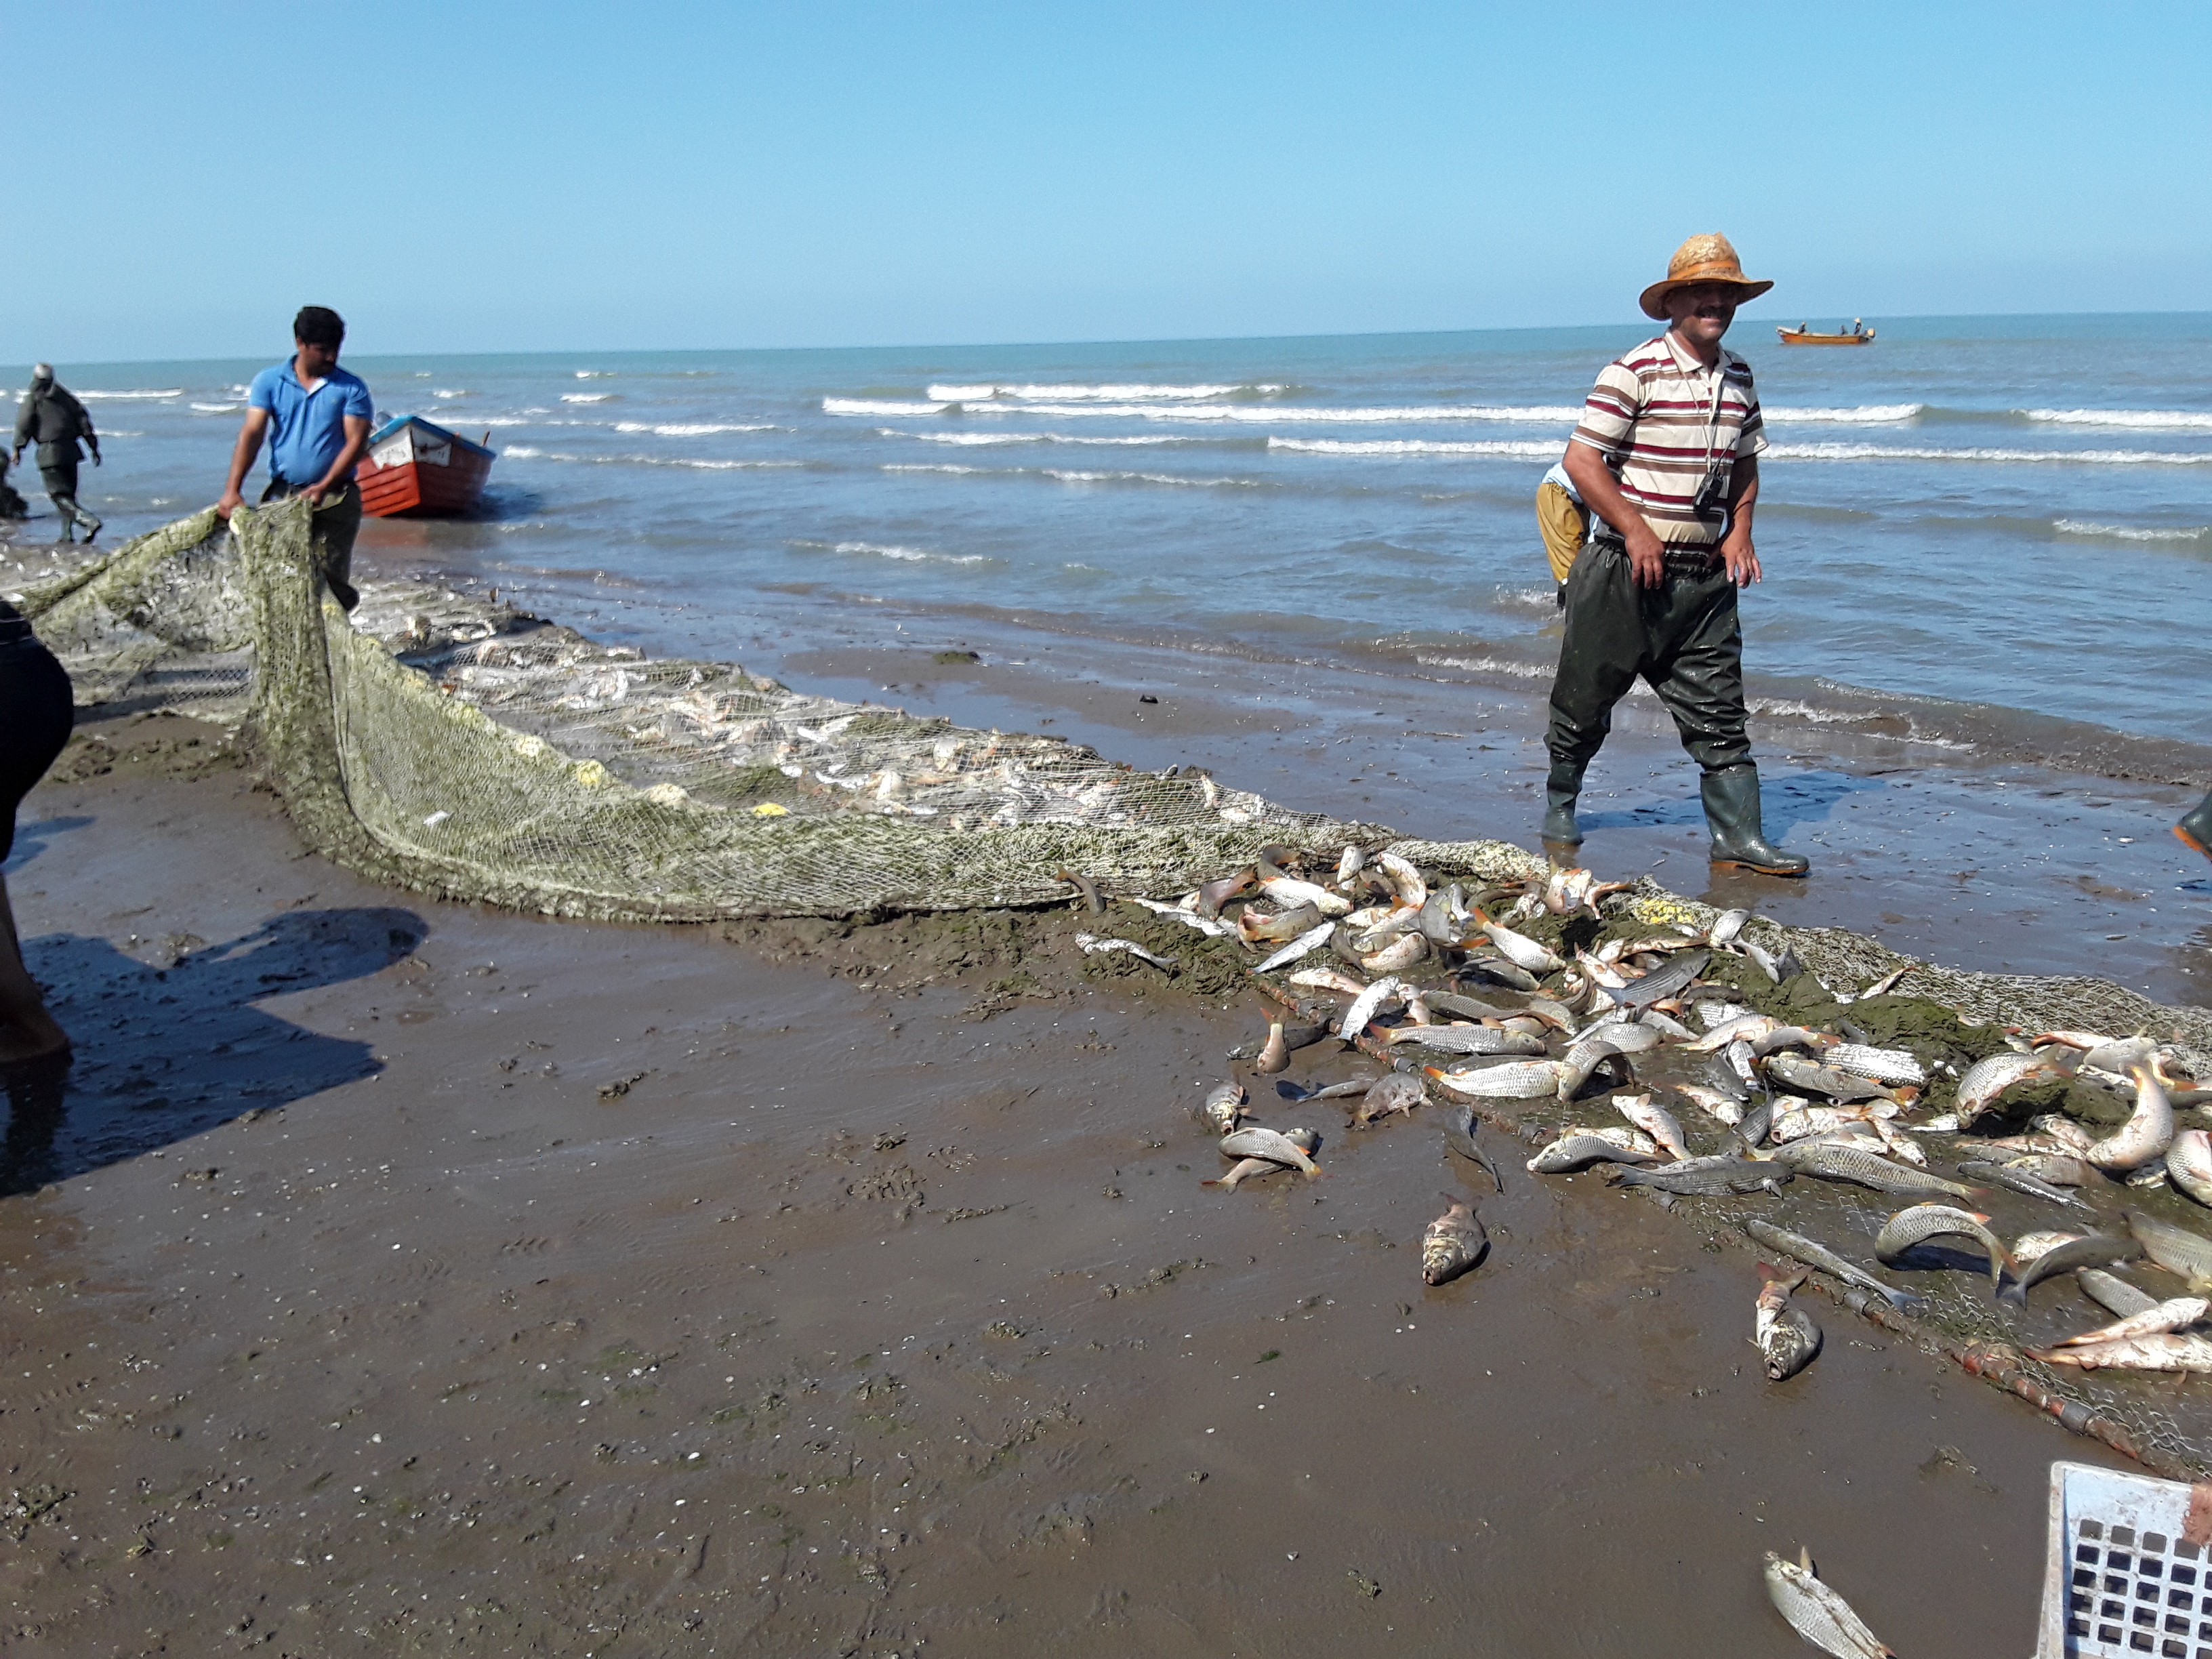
505, 177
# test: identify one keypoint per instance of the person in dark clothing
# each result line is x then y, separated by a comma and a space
56, 422
316, 418
36, 712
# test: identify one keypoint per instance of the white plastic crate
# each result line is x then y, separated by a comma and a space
2127, 1560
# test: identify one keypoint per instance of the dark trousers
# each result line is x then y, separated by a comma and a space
37, 709
1684, 638
60, 480
336, 522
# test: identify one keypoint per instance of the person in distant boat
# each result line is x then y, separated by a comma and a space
53, 418
1666, 457
316, 418
1858, 326
2195, 830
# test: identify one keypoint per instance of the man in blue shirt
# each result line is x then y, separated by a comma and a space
320, 416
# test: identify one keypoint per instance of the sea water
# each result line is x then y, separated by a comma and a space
1989, 530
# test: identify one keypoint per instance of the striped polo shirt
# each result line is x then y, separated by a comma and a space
1651, 416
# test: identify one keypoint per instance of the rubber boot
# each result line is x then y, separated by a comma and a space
2195, 828
1562, 839
1732, 809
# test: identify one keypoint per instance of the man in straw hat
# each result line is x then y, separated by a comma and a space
1666, 459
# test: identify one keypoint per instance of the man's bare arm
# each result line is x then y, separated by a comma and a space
1600, 492
1736, 550
357, 432
250, 433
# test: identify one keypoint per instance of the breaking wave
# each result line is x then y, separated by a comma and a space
2171, 420
987, 391
1905, 453
2120, 532
578, 397
1518, 448
692, 429
905, 555
1861, 415
524, 452
173, 391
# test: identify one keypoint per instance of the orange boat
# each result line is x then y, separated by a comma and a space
1802, 334
415, 468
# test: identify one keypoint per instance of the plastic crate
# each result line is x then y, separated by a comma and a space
2128, 1562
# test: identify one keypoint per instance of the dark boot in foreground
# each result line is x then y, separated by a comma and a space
1563, 841
1738, 841
2195, 828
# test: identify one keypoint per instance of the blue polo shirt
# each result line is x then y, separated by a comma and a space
306, 428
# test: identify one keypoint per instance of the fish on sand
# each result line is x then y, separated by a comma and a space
1817, 1613
1453, 1242
1922, 1222
1224, 1107
2070, 1255
2144, 1138
1253, 1141
1091, 944
1814, 1254
1785, 1334
1396, 1091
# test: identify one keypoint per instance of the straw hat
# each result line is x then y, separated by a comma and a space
1707, 259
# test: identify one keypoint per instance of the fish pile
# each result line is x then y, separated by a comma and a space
1539, 1001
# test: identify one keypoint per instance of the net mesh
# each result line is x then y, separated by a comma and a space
444, 744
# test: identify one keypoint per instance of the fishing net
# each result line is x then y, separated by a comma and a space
442, 743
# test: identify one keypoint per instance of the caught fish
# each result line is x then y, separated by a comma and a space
1224, 1107
1818, 1255
1276, 1054
1887, 983
1891, 1066
2177, 1313
2144, 1137
1520, 1080
1726, 925
1722, 1108
1738, 1059
1985, 1080
2059, 1168
1292, 893
2177, 1249
1768, 965
1404, 880
1831, 1162
1523, 952
1304, 945
1368, 1003
1627, 1037
1356, 1086
2169, 1352
1707, 1177
1712, 1015
1557, 1015
1468, 1039
1453, 1242
1798, 1120
1785, 1334
1817, 1613
1211, 926
1450, 1002
1791, 1037
2095, 1250
1925, 1221
1253, 1141
1655, 1121
2019, 1180
1758, 1123
1328, 979
1801, 1073
2033, 1247
2189, 1164
1662, 983
1349, 865
1502, 972
2112, 1293
1901, 1145
1254, 928
1245, 1169
1578, 1149
1398, 1092
1091, 944
1459, 1135
1744, 1028
1401, 953
1212, 895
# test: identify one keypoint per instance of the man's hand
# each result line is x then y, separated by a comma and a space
1741, 559
231, 498
95, 458
1647, 555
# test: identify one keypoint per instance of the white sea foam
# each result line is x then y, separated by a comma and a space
1905, 453
1861, 415
458, 392
940, 466
992, 440
595, 374
1518, 448
892, 550
524, 451
880, 406
173, 391
218, 409
1519, 670
580, 397
1066, 475
1530, 414
2129, 532
2171, 420
691, 428
1118, 394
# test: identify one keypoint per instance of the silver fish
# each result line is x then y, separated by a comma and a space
1254, 928
2177, 1249
1404, 879
1398, 1091
1653, 1119
1722, 1108
1453, 1242
1253, 1141
1627, 1037
1726, 925
1328, 979
1744, 1028
1785, 1334
1521, 1079
1817, 1613
1211, 926
1401, 953
1887, 983
2112, 1293
1091, 944
1459, 1135
1817, 1256
1862, 1168
2059, 1168
1523, 952
1291, 893
1497, 969
1797, 1120
2177, 1313
1790, 1036
1349, 865
1883, 1064
2168, 1353
1557, 1015
1304, 945
1274, 1054
1245, 1169
2033, 1247
2019, 1180
1925, 1221
1707, 1177
1714, 1015
1368, 1003
2096, 1250
1468, 1039
1987, 1080
2189, 1162
1578, 1149
2145, 1137
1768, 965
1224, 1107
1450, 1002
1801, 1073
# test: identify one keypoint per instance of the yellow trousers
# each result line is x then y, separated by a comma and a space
1564, 526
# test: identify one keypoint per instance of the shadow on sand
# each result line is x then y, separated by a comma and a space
163, 1053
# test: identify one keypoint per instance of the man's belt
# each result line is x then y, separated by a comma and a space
1685, 558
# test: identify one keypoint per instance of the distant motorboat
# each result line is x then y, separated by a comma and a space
415, 468
1802, 334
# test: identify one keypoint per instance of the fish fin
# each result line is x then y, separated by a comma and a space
1805, 1558
1211, 1183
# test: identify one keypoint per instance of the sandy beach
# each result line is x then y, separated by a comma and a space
403, 1277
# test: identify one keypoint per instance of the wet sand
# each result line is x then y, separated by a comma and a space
421, 1278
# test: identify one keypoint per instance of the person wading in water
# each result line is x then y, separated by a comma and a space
1666, 458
